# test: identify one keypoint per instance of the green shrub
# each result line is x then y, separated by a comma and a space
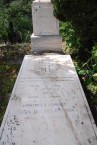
69, 36
83, 17
16, 24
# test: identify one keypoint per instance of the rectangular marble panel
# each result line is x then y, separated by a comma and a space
48, 105
44, 22
46, 43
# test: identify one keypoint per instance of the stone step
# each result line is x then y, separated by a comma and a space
46, 43
48, 105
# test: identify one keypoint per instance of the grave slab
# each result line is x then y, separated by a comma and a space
48, 105
46, 43
44, 22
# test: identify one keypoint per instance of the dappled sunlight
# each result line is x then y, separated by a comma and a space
50, 65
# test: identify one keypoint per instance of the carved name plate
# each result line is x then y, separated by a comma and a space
48, 106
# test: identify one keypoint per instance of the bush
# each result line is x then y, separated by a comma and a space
83, 17
16, 24
69, 36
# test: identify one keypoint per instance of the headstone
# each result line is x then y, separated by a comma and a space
48, 105
45, 27
44, 23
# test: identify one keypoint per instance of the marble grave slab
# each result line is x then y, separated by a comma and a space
48, 105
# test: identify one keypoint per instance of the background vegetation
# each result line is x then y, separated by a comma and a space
83, 17
15, 20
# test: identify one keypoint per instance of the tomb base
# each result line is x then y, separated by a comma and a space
46, 43
48, 105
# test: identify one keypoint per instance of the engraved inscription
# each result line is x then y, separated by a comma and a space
46, 67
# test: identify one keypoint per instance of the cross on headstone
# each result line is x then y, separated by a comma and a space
46, 67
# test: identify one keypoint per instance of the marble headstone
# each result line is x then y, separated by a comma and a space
45, 35
44, 22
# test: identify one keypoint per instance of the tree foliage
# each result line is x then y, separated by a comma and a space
16, 20
82, 14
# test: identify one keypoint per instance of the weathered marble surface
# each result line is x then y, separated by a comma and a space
48, 106
44, 22
46, 43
